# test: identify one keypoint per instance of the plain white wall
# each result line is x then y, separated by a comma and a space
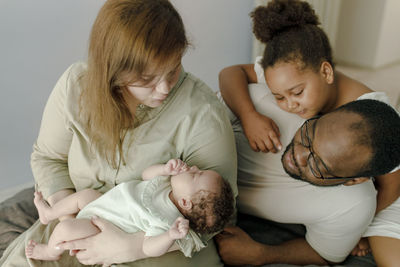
40, 39
368, 33
358, 32
388, 50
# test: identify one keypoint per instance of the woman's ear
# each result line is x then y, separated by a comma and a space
327, 72
185, 203
357, 181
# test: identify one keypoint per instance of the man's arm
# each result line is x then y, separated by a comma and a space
388, 186
237, 248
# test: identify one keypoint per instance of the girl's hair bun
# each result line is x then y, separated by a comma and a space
281, 15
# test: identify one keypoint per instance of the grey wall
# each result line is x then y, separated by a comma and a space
40, 39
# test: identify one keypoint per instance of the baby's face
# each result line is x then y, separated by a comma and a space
194, 180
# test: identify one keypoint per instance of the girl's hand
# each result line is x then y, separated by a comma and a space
111, 245
179, 228
175, 166
262, 132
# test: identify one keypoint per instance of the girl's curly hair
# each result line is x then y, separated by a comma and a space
290, 30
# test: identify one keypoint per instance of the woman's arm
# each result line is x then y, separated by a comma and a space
49, 160
101, 248
388, 186
262, 132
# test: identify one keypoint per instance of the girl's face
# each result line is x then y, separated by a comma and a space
303, 92
155, 87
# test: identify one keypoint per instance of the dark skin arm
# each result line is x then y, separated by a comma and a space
237, 248
388, 186
262, 132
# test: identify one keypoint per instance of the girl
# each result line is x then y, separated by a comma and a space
297, 66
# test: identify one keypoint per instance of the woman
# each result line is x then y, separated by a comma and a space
131, 105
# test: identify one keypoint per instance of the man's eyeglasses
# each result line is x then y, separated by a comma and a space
314, 161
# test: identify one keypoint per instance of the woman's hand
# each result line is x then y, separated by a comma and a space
111, 245
262, 132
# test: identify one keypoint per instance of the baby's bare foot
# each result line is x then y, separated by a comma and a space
362, 248
42, 207
37, 251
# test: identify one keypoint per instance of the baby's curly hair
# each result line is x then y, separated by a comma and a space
211, 211
290, 30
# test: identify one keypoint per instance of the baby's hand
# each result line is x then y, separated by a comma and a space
175, 166
262, 132
179, 228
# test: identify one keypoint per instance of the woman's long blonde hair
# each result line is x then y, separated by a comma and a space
128, 36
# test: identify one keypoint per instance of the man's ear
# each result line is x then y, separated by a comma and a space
356, 181
185, 203
327, 72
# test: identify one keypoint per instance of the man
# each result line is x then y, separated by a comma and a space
335, 149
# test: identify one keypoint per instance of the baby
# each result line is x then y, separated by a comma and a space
154, 206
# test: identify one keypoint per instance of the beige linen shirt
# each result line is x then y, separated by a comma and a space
191, 124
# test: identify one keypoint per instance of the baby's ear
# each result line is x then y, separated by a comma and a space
357, 181
185, 203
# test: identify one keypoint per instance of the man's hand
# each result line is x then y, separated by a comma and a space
111, 245
179, 228
262, 132
175, 166
237, 248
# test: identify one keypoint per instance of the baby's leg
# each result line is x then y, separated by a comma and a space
67, 206
66, 230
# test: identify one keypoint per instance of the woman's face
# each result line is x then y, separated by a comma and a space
303, 92
155, 87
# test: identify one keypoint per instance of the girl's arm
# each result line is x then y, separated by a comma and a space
388, 186
262, 132
233, 84
155, 246
172, 167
